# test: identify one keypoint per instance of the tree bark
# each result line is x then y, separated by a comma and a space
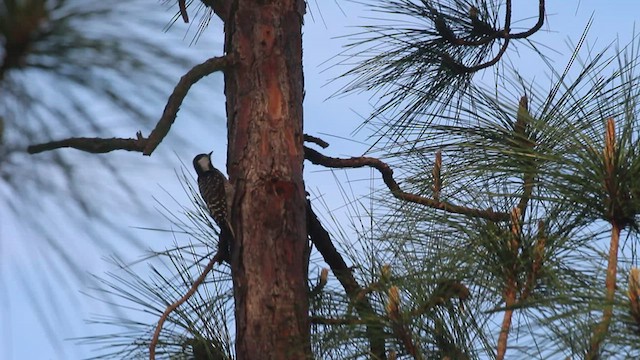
264, 89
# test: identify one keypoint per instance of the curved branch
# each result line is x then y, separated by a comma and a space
536, 27
503, 34
175, 305
387, 176
461, 68
141, 144
316, 140
175, 100
491, 62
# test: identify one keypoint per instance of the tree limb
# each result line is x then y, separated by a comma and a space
92, 145
222, 8
321, 239
504, 34
182, 5
312, 139
141, 144
175, 305
387, 176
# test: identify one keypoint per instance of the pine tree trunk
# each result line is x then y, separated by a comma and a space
264, 89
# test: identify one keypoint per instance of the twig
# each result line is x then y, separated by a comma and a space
141, 144
175, 305
437, 177
387, 176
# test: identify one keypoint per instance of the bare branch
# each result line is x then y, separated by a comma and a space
536, 27
92, 145
142, 144
321, 239
182, 5
175, 305
175, 100
387, 176
312, 139
491, 36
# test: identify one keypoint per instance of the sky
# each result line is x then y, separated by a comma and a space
333, 118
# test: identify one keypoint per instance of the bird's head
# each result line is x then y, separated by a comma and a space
202, 163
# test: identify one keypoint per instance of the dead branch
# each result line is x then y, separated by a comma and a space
92, 145
312, 139
175, 305
175, 100
387, 176
141, 144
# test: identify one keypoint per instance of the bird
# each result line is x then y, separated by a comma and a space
214, 189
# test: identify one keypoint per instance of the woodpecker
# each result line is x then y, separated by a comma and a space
213, 187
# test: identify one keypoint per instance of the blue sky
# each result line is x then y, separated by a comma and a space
22, 334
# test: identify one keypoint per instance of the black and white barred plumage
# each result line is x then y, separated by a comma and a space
213, 187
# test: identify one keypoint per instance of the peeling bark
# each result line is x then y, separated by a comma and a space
264, 89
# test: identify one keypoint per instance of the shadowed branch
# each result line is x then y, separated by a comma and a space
387, 176
488, 33
321, 239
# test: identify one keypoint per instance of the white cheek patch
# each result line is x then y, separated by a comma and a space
204, 163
